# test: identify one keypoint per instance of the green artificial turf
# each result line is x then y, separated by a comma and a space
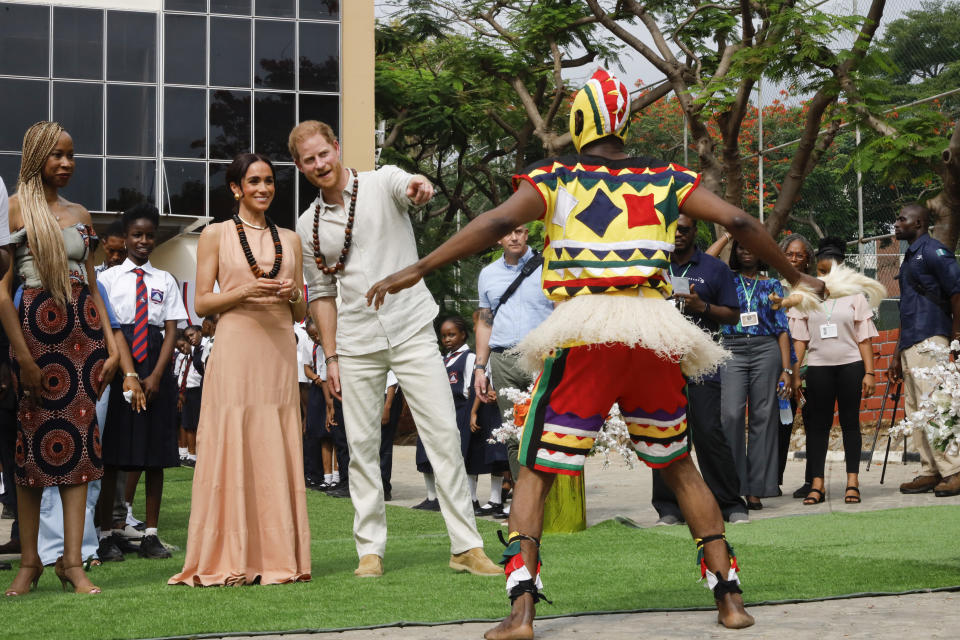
606, 568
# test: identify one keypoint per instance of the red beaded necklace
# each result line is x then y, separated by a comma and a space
347, 232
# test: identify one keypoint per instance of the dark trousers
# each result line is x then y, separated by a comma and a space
8, 443
786, 432
340, 441
387, 434
828, 386
714, 455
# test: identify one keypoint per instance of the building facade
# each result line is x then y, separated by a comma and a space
160, 95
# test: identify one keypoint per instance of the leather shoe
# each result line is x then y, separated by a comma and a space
151, 547
124, 545
474, 561
949, 487
428, 505
490, 509
921, 484
5, 566
340, 491
108, 551
11, 546
802, 491
371, 566
8, 513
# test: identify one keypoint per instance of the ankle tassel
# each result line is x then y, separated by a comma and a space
702, 561
519, 580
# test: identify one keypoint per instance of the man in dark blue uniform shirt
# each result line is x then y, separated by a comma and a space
712, 301
929, 312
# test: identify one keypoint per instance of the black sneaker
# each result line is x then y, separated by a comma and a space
151, 547
476, 507
121, 543
108, 551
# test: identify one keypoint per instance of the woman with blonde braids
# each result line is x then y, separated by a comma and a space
59, 351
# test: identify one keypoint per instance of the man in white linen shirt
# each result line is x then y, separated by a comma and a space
362, 343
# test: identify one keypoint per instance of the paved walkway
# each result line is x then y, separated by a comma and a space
624, 492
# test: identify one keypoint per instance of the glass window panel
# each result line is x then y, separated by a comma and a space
274, 55
78, 43
281, 209
185, 53
17, 115
320, 9
319, 57
322, 108
233, 7
10, 170
186, 188
24, 40
229, 52
131, 46
196, 6
130, 182
86, 185
184, 118
131, 120
276, 8
308, 193
221, 198
273, 118
78, 106
229, 123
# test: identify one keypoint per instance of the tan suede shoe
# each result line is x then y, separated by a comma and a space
949, 487
920, 484
476, 562
371, 566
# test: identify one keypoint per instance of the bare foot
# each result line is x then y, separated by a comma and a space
519, 624
730, 612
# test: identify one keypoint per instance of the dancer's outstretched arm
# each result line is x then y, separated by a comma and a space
525, 205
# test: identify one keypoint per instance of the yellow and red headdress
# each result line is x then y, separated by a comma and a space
604, 103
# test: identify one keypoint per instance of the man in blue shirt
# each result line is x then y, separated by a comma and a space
929, 312
712, 301
500, 326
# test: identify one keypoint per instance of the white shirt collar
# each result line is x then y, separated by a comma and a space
130, 265
347, 192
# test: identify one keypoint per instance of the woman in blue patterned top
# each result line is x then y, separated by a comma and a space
760, 345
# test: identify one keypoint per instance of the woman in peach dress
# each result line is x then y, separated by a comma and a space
248, 514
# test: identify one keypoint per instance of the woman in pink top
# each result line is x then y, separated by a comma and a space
837, 339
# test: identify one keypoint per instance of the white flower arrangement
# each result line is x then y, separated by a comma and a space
939, 412
613, 436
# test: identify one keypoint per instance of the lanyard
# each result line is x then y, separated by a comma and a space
829, 313
748, 294
682, 275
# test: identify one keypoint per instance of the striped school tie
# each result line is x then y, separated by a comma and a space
140, 320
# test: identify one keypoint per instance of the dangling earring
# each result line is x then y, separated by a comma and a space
237, 196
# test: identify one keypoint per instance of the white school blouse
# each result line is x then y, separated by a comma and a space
163, 293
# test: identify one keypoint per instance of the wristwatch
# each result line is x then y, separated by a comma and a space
480, 366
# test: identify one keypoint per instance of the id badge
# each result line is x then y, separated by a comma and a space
680, 285
749, 319
828, 331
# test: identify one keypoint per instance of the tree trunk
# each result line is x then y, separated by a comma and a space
946, 204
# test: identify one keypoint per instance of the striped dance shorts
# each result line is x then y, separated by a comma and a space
573, 396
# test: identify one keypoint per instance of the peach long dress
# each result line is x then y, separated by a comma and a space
248, 512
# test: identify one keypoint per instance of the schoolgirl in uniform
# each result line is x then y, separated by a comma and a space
317, 437
148, 305
459, 361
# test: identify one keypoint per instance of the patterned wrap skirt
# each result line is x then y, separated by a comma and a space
58, 440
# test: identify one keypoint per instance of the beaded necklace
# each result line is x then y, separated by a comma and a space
277, 247
347, 232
